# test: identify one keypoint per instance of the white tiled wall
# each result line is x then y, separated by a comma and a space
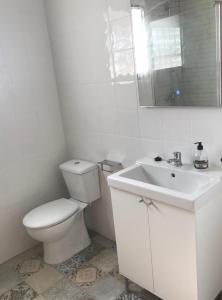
31, 134
92, 47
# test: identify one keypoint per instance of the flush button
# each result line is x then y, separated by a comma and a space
76, 162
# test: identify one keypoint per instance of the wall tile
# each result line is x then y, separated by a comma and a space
126, 95
128, 124
122, 149
109, 121
99, 98
203, 129
151, 148
107, 96
151, 124
177, 127
31, 133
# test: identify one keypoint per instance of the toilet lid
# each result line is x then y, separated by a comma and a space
50, 214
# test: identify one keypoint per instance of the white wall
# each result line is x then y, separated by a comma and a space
31, 134
92, 48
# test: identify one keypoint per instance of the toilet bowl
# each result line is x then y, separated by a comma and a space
59, 224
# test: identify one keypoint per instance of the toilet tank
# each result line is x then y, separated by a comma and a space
82, 180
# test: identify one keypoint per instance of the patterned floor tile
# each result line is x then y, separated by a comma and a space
115, 273
129, 296
148, 296
29, 261
8, 277
107, 288
106, 243
44, 279
90, 275
72, 264
91, 251
66, 290
85, 285
20, 292
85, 275
137, 296
9, 271
106, 260
33, 253
133, 287
30, 266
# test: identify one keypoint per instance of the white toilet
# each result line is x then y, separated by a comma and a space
60, 224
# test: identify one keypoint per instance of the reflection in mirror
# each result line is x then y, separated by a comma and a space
177, 52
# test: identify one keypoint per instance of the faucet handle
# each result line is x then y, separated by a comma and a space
177, 160
177, 154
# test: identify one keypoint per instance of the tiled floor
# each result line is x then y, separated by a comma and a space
89, 275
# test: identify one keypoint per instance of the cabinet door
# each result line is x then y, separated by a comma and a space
172, 234
132, 236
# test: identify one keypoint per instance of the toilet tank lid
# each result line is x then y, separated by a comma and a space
78, 166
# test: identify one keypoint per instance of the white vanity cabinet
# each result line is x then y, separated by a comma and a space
172, 238
161, 247
133, 238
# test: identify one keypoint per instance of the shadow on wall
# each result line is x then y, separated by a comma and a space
100, 212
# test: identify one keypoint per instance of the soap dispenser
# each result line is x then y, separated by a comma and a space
200, 157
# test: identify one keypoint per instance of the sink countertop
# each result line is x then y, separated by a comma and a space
191, 201
215, 171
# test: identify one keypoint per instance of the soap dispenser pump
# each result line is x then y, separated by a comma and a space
200, 157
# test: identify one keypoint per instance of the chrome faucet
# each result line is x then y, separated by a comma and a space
177, 160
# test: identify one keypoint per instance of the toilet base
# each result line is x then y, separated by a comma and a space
75, 240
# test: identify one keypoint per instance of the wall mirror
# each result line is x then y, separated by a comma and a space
177, 45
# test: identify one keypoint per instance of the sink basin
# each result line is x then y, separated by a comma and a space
184, 187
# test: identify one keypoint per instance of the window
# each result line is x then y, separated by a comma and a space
166, 43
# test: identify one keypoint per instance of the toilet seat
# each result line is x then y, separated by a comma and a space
51, 213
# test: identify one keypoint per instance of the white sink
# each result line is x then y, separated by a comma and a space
184, 187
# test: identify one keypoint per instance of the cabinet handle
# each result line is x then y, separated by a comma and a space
150, 203
144, 202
